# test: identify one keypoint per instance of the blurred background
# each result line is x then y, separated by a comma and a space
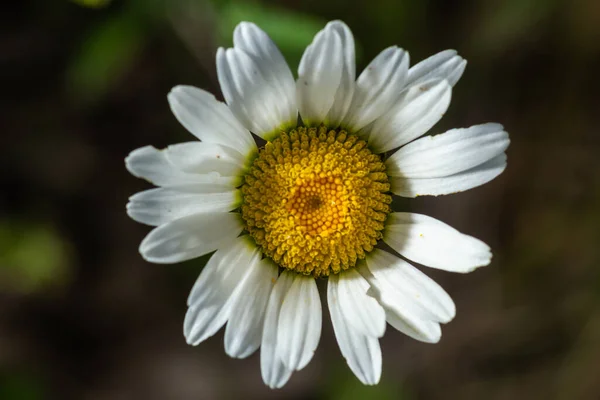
84, 82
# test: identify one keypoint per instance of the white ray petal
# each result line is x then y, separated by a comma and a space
401, 315
319, 76
443, 65
435, 244
404, 287
477, 176
253, 93
208, 119
190, 237
206, 158
211, 299
362, 352
200, 323
414, 327
345, 91
274, 372
244, 330
359, 309
378, 88
154, 166
299, 326
248, 37
449, 153
420, 108
161, 205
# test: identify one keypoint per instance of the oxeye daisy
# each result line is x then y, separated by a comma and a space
292, 181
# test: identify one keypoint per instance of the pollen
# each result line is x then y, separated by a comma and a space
315, 200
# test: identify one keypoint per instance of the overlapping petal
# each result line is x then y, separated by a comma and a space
446, 65
255, 42
190, 237
274, 372
420, 108
206, 158
244, 330
360, 310
378, 88
319, 76
358, 342
449, 153
162, 205
411, 325
154, 165
211, 299
256, 82
406, 287
459, 182
208, 119
345, 91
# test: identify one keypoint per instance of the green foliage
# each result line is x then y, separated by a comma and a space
105, 56
32, 257
20, 386
343, 385
92, 3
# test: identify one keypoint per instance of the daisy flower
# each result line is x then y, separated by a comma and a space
292, 181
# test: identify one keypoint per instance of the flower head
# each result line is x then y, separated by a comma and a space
315, 200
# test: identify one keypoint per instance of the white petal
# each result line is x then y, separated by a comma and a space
359, 309
206, 158
257, 93
153, 165
299, 327
243, 333
248, 37
274, 373
254, 41
161, 205
209, 119
224, 270
447, 154
404, 287
200, 323
319, 76
477, 176
421, 107
362, 352
190, 237
400, 313
378, 88
418, 329
344, 93
434, 244
210, 299
444, 65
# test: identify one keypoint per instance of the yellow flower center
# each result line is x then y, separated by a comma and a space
315, 201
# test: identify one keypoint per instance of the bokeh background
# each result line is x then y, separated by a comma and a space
84, 82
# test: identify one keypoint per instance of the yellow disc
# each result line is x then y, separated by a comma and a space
315, 201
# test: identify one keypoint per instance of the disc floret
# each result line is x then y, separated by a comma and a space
315, 200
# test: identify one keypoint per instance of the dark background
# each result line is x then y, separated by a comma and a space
84, 82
